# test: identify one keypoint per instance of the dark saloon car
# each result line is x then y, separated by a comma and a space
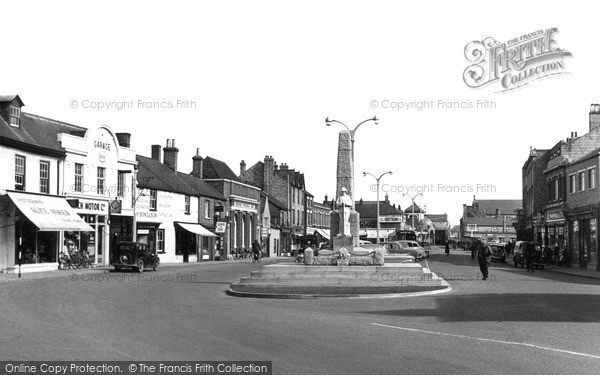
134, 255
498, 252
537, 257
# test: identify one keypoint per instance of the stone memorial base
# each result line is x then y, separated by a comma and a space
302, 281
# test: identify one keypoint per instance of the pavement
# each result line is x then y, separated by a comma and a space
573, 271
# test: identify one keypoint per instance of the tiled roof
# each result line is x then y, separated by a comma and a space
506, 206
215, 168
200, 187
368, 209
10, 98
37, 132
439, 218
296, 178
153, 174
409, 209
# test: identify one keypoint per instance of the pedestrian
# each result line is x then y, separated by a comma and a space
529, 253
484, 256
447, 248
473, 250
256, 249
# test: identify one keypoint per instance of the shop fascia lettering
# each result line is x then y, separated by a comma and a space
99, 207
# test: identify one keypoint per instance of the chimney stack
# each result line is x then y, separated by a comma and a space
156, 153
242, 167
594, 116
197, 164
387, 199
268, 173
170, 155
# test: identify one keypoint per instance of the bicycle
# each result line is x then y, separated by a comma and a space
256, 257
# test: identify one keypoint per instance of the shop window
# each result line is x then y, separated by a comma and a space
187, 204
572, 183
153, 199
78, 186
101, 180
20, 173
207, 209
44, 177
36, 246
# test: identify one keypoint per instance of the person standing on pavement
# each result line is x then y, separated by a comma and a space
447, 248
473, 250
484, 256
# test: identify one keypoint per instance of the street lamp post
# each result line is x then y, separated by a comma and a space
377, 179
412, 198
328, 122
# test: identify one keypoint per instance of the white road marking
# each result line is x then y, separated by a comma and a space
490, 340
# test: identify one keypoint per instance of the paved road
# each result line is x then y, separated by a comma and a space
515, 322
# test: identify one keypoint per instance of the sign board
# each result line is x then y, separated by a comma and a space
390, 219
553, 216
115, 207
220, 227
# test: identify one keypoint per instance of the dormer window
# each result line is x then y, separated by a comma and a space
15, 116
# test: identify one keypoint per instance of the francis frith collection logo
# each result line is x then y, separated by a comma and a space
514, 63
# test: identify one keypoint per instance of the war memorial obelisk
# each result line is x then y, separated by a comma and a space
345, 221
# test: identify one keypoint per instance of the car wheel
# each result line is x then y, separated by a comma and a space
140, 265
117, 268
155, 266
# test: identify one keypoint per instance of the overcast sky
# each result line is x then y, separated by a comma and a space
261, 77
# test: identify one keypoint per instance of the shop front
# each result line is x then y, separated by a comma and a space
95, 213
555, 229
36, 231
583, 236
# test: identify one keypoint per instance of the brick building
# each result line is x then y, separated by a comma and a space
490, 219
285, 186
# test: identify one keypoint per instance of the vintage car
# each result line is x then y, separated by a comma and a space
401, 247
498, 252
521, 247
416, 245
134, 255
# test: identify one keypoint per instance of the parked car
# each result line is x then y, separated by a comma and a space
519, 254
134, 255
415, 245
401, 247
498, 252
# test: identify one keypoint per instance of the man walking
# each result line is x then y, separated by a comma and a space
447, 248
256, 250
484, 255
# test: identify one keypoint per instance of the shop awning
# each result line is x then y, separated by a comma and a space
323, 233
197, 229
49, 213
